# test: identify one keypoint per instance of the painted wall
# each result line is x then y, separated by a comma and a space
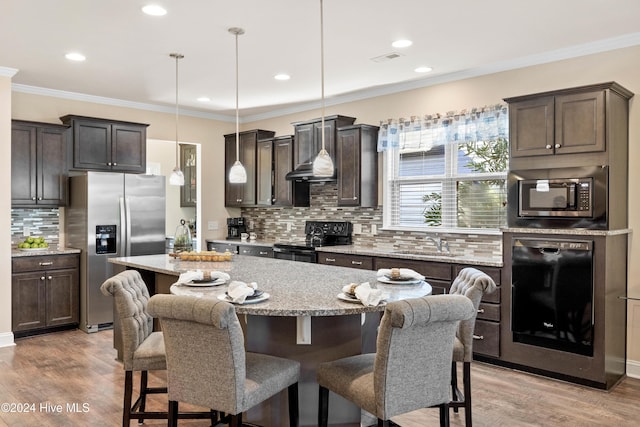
6, 336
619, 65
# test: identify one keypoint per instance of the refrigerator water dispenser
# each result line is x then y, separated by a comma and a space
106, 239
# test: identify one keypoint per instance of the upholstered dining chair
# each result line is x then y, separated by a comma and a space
473, 284
207, 364
412, 364
142, 349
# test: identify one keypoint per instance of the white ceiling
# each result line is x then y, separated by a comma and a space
128, 52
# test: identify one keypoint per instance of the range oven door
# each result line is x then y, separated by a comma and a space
295, 254
552, 294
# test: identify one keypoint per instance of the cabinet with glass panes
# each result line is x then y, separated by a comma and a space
188, 192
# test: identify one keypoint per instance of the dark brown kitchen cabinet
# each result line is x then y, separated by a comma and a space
108, 145
189, 191
264, 175
44, 293
39, 173
437, 274
308, 138
255, 250
570, 121
282, 164
357, 164
346, 260
243, 194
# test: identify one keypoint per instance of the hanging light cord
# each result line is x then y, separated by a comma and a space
237, 107
178, 56
322, 70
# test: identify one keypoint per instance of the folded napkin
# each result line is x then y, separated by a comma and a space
190, 276
366, 294
404, 273
239, 291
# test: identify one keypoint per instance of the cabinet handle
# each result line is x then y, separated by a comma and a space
39, 198
273, 200
263, 253
43, 264
245, 251
356, 262
108, 163
355, 197
115, 164
548, 146
33, 198
49, 277
481, 310
558, 145
330, 259
42, 278
478, 337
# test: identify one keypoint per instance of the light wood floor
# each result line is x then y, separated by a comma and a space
74, 367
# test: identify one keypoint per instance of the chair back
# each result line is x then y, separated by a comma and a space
473, 284
205, 351
412, 368
130, 296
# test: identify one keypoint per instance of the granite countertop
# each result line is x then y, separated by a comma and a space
48, 251
401, 254
568, 231
306, 290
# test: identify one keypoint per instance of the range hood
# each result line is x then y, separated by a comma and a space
304, 173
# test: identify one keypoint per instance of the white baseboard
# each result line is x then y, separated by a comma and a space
633, 368
6, 339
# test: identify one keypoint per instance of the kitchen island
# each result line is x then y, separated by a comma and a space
303, 319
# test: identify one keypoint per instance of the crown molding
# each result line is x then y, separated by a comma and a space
8, 72
599, 46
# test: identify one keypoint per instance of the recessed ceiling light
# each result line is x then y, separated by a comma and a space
204, 99
423, 69
75, 56
402, 43
154, 10
282, 77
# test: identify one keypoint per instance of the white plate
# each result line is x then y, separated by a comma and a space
202, 284
263, 297
33, 249
345, 297
384, 279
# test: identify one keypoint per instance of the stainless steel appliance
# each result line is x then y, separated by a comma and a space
111, 215
552, 293
558, 198
235, 227
317, 233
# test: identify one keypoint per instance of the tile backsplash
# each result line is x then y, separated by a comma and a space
38, 222
286, 224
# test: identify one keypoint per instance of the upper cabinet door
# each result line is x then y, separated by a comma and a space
23, 164
264, 174
580, 122
282, 164
531, 127
128, 148
305, 150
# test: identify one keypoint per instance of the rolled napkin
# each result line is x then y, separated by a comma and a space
366, 294
190, 276
397, 273
239, 291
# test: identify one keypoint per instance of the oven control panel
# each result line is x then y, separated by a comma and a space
328, 228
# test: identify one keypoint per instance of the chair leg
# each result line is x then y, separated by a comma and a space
466, 379
236, 420
294, 419
128, 392
383, 423
454, 384
444, 415
323, 407
173, 414
143, 393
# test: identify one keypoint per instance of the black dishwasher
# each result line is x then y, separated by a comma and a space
552, 294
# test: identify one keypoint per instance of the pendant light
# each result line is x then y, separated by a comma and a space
177, 177
322, 165
237, 173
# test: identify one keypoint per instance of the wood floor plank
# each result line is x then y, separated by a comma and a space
76, 368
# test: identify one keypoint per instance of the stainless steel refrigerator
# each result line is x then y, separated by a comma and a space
111, 215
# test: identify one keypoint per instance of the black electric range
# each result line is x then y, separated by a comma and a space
317, 233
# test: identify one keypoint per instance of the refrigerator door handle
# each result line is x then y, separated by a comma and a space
127, 227
122, 245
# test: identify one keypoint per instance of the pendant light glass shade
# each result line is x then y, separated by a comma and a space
323, 164
237, 173
177, 177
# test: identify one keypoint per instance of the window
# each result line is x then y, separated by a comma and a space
446, 174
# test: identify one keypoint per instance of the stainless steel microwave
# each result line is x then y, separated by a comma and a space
570, 197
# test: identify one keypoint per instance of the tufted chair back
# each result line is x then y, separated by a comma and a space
471, 283
131, 296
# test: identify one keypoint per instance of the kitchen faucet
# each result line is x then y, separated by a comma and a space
441, 244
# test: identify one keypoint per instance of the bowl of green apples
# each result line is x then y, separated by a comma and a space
33, 244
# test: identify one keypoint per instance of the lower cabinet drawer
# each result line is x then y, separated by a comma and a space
342, 260
255, 251
486, 338
489, 312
